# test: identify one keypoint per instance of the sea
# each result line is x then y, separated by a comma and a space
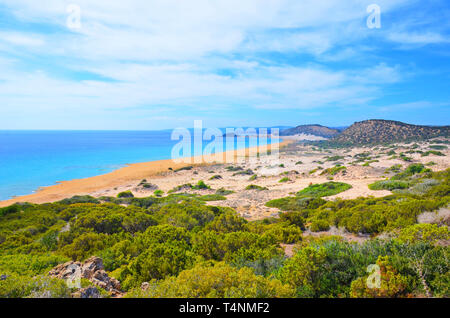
33, 159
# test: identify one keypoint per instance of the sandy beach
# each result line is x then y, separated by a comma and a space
302, 165
133, 173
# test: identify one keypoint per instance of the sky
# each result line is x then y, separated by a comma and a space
161, 64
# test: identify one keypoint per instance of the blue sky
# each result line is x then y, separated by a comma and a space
145, 65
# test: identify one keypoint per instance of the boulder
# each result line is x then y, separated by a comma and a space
92, 269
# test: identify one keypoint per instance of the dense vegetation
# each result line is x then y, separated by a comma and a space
185, 248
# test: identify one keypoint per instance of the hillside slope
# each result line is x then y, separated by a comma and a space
316, 130
382, 131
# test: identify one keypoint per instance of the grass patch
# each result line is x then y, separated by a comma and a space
335, 158
296, 203
410, 171
438, 147
389, 185
256, 187
404, 157
315, 170
395, 168
367, 164
285, 179
201, 185
185, 186
223, 191
247, 172
184, 169
433, 152
324, 189
233, 169
333, 171
212, 197
391, 153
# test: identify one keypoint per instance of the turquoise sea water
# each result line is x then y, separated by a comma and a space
33, 159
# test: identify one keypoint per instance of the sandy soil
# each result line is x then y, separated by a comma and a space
130, 175
270, 169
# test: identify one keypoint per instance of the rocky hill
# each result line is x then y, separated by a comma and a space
387, 131
316, 130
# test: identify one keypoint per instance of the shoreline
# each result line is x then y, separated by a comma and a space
131, 173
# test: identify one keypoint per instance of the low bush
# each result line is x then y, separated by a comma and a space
324, 189
125, 194
223, 191
212, 197
201, 185
255, 187
388, 185
334, 170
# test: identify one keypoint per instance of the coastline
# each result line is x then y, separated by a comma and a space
131, 173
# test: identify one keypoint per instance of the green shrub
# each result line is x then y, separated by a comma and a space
247, 172
201, 185
438, 147
295, 203
255, 187
186, 186
335, 158
218, 281
80, 199
392, 284
125, 194
319, 225
433, 152
424, 233
233, 169
334, 170
35, 287
223, 191
212, 197
394, 168
388, 185
187, 168
324, 189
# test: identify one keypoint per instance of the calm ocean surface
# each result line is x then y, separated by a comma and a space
33, 159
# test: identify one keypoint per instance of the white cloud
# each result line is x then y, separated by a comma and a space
20, 39
169, 53
175, 29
